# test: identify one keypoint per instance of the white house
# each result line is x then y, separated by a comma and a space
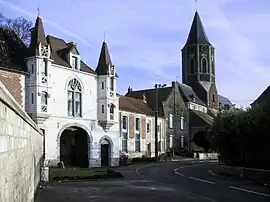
138, 128
75, 106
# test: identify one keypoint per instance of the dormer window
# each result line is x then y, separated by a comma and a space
74, 62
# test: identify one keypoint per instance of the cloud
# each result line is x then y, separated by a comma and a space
145, 38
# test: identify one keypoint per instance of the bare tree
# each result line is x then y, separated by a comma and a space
19, 25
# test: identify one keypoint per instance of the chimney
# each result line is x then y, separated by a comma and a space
144, 98
129, 89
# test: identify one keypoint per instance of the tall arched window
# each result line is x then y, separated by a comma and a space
74, 98
204, 65
191, 65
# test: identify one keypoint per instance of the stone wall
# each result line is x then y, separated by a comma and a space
21, 148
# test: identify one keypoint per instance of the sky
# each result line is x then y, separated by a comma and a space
145, 38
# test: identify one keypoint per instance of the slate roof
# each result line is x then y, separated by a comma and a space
197, 34
12, 51
188, 94
199, 118
263, 97
206, 85
104, 61
225, 101
163, 94
135, 105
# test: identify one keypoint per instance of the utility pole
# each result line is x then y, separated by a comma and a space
174, 116
156, 122
157, 86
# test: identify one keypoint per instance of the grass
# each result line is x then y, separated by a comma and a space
75, 173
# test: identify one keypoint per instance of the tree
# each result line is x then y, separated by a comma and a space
19, 25
201, 139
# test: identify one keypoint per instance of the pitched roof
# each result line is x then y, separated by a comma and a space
263, 97
199, 118
59, 54
197, 34
104, 61
150, 95
225, 101
37, 36
135, 105
189, 95
13, 51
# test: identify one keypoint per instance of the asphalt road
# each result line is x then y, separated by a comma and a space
186, 181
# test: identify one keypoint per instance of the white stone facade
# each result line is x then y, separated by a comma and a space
54, 116
21, 149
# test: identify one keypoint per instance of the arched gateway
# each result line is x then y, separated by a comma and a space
73, 146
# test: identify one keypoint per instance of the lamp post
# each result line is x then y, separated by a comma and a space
157, 87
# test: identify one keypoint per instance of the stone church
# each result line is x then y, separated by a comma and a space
192, 104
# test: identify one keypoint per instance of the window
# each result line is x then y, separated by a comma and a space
74, 98
124, 141
74, 62
102, 85
213, 98
204, 65
44, 98
102, 109
32, 98
137, 124
159, 145
191, 65
170, 121
44, 101
112, 83
32, 68
44, 68
124, 122
182, 123
148, 126
158, 128
137, 142
112, 111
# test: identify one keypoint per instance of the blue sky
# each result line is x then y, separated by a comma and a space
145, 37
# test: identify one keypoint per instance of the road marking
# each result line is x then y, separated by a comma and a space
177, 173
204, 197
201, 180
249, 191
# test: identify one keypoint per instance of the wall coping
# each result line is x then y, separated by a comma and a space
9, 100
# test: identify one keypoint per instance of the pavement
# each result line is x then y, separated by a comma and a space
182, 181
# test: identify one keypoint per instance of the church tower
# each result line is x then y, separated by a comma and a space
198, 64
38, 83
108, 109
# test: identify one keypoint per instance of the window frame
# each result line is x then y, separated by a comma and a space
74, 89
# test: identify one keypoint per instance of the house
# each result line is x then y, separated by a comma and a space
137, 128
264, 97
74, 105
192, 104
12, 67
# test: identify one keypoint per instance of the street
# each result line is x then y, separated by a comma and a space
184, 181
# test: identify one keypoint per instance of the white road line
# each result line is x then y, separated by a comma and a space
177, 173
204, 197
201, 180
249, 191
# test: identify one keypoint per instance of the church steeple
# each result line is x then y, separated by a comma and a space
198, 63
104, 61
37, 38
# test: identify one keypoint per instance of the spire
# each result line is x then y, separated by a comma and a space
104, 60
37, 36
197, 33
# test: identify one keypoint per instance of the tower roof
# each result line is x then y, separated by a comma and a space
37, 36
104, 60
197, 33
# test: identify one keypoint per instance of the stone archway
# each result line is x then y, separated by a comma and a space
73, 145
106, 151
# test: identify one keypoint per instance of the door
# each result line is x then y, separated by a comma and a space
104, 154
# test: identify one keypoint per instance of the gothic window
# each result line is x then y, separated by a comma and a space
74, 98
191, 65
204, 65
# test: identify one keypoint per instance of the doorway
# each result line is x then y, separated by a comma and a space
105, 153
